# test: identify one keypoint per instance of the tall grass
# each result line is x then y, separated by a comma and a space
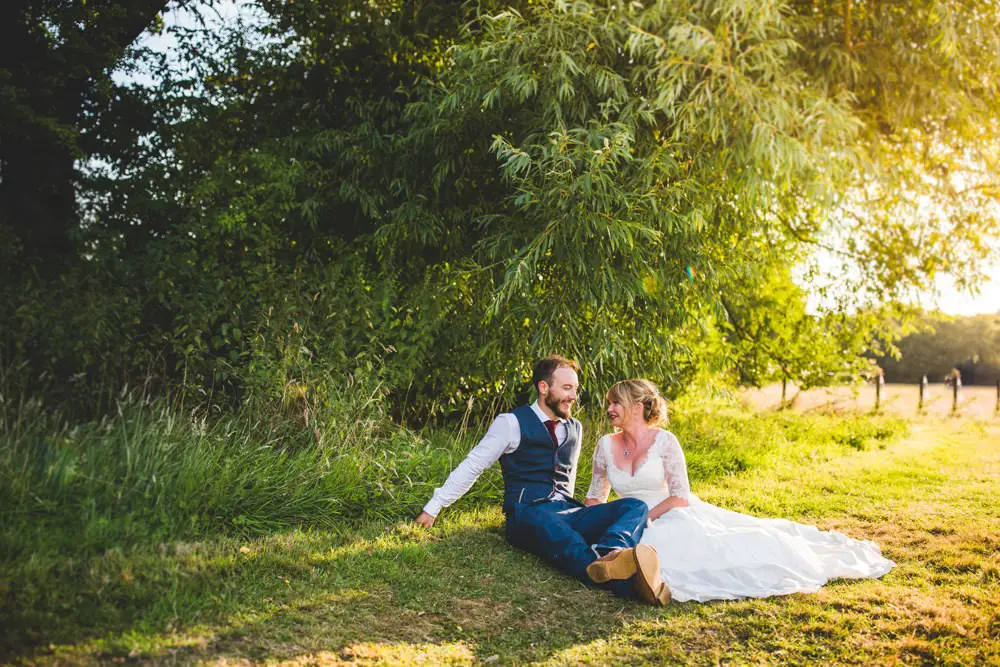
722, 438
151, 473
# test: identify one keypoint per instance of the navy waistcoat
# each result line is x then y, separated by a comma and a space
539, 469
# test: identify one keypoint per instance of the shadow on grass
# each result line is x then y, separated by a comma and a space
398, 595
388, 591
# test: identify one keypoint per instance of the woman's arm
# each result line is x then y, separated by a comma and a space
675, 467
600, 485
667, 505
675, 475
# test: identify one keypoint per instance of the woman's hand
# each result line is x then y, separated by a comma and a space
590, 502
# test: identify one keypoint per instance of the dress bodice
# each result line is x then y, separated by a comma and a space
661, 474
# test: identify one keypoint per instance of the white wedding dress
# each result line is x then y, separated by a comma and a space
710, 553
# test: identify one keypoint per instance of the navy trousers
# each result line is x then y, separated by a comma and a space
571, 537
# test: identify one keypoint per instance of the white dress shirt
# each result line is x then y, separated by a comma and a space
503, 437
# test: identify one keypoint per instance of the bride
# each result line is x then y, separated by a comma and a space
707, 552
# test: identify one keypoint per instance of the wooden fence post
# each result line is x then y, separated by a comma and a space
955, 384
997, 409
878, 391
923, 388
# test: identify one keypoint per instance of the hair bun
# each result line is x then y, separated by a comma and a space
654, 409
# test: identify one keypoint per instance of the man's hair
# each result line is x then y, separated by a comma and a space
544, 368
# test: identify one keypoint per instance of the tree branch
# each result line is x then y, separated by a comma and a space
118, 27
798, 234
848, 5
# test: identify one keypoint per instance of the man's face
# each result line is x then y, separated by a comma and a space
560, 396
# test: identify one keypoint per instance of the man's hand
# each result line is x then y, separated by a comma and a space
425, 520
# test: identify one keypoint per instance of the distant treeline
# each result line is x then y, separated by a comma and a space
970, 344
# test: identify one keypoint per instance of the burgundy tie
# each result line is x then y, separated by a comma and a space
550, 424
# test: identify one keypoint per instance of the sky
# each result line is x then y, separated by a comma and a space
830, 275
953, 302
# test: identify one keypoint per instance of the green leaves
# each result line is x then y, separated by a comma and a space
466, 189
652, 138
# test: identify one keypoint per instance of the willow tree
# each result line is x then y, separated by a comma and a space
653, 157
457, 192
594, 177
924, 197
607, 171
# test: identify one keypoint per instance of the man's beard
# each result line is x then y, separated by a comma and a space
556, 408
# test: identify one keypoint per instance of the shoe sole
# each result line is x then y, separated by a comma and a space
648, 583
621, 566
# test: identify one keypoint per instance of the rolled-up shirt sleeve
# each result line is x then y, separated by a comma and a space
502, 437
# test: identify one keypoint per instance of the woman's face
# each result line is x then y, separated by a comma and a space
616, 412
621, 415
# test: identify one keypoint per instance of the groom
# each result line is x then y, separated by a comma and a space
538, 447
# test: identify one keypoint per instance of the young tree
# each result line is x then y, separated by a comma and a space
776, 338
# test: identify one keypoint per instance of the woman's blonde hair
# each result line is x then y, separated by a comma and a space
629, 392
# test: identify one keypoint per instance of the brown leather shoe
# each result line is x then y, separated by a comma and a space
620, 564
648, 583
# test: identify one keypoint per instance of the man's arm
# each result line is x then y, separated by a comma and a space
503, 436
574, 464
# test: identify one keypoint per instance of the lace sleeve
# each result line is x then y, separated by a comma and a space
675, 467
600, 485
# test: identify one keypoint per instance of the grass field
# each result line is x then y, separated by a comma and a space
974, 402
392, 594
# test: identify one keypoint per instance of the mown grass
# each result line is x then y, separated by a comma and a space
158, 535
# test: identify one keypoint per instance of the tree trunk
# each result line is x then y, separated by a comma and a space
37, 198
45, 81
37, 202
